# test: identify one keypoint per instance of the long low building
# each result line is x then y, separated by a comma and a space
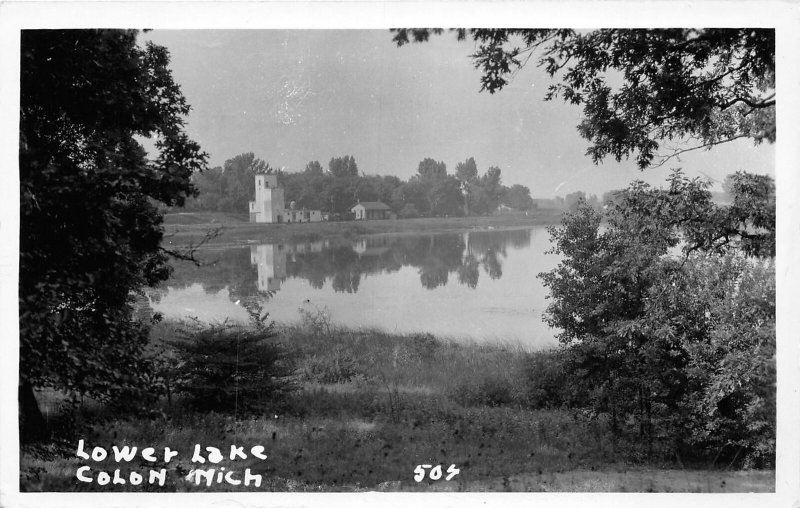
371, 210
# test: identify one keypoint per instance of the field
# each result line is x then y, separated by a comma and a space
369, 407
184, 228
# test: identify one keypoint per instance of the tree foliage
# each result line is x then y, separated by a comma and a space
228, 188
429, 192
639, 87
343, 166
667, 315
430, 170
90, 226
517, 196
231, 368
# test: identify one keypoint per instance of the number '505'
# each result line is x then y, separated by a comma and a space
435, 472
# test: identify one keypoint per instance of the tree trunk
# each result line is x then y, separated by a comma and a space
32, 425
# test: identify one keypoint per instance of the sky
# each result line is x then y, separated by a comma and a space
293, 96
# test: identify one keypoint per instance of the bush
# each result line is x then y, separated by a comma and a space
231, 368
546, 382
315, 320
733, 407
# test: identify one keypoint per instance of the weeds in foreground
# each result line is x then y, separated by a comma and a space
370, 406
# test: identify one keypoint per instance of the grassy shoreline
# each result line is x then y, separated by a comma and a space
191, 227
372, 405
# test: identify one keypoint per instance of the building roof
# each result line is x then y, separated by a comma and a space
372, 205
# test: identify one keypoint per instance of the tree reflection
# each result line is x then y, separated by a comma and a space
261, 269
468, 271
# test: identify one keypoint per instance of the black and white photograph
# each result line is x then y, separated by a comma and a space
298, 255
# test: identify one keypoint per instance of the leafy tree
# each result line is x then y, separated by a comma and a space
365, 190
467, 171
710, 85
384, 187
518, 196
238, 181
90, 229
467, 174
430, 171
638, 322
210, 189
751, 216
314, 168
491, 184
343, 166
483, 194
433, 191
479, 200
306, 188
340, 194
414, 193
445, 197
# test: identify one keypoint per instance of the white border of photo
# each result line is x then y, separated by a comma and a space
784, 16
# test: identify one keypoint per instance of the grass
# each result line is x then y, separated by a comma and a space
191, 227
371, 407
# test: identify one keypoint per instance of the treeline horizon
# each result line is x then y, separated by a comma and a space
431, 192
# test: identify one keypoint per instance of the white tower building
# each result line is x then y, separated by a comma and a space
269, 203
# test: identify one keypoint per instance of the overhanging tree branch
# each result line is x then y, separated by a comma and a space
678, 152
188, 253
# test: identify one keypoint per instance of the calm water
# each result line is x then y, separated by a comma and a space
478, 285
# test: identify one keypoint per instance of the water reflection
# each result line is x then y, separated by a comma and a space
262, 269
479, 285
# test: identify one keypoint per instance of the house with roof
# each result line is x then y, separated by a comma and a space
368, 210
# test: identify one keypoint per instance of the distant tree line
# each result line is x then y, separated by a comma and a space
430, 192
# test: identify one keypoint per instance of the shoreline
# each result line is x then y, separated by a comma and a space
186, 228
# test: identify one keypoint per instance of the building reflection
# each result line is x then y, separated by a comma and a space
270, 261
439, 259
436, 256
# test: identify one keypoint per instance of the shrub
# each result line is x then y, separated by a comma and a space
546, 382
231, 368
733, 406
315, 320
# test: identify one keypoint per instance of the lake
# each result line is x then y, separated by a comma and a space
477, 285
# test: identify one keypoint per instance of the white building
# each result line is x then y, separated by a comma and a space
370, 210
269, 205
292, 215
